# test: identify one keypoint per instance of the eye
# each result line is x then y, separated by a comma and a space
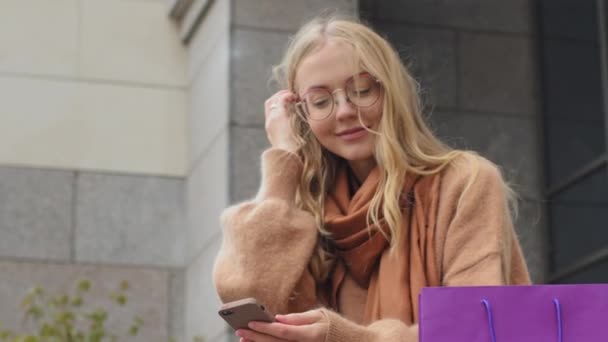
318, 99
320, 103
360, 92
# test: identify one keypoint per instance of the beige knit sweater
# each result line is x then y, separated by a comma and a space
267, 244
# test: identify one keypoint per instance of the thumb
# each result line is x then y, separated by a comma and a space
304, 318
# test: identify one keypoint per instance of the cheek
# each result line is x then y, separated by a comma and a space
321, 130
375, 113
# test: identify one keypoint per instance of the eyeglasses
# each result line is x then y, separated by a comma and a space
361, 90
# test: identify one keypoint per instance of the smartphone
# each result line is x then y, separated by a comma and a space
239, 313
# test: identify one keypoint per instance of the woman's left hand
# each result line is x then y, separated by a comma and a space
309, 326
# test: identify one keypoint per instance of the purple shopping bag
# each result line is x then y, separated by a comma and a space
542, 313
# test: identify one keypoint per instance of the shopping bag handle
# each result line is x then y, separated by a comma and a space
558, 313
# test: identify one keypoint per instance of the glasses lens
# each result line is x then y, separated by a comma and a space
363, 90
319, 103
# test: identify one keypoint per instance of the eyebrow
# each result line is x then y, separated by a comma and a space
325, 86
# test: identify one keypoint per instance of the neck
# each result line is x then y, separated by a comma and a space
362, 168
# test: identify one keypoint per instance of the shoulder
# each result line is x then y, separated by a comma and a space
470, 170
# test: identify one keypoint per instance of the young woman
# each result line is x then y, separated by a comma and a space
360, 205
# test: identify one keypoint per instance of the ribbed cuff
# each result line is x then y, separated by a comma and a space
343, 330
281, 172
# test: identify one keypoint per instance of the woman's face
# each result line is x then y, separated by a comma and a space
331, 67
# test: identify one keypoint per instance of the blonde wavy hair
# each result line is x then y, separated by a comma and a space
404, 142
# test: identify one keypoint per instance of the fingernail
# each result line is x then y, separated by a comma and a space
252, 325
239, 333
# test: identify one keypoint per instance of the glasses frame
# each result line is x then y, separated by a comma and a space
302, 110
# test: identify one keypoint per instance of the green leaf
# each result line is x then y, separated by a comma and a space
6, 334
133, 330
48, 330
83, 285
64, 317
36, 312
124, 285
31, 339
77, 301
119, 298
28, 300
63, 300
98, 316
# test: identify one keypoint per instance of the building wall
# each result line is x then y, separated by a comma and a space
93, 154
123, 133
207, 184
477, 64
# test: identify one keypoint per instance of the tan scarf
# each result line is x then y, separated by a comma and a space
393, 280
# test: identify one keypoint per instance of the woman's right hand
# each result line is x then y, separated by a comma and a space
278, 129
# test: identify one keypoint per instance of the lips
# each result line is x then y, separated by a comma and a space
352, 134
350, 131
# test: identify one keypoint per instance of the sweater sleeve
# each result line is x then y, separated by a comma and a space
478, 241
267, 242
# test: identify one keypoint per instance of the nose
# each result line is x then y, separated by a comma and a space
343, 107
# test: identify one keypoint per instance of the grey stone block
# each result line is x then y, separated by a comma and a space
147, 295
207, 193
247, 145
497, 74
130, 219
285, 14
177, 305
511, 142
209, 101
36, 213
253, 55
491, 15
213, 30
202, 301
430, 54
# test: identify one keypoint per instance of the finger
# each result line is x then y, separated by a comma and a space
282, 331
255, 336
308, 317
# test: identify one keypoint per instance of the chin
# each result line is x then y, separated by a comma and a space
356, 155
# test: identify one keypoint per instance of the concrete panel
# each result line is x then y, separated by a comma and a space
253, 55
207, 193
177, 305
511, 142
130, 220
36, 213
246, 147
39, 37
498, 74
285, 14
491, 15
131, 41
92, 126
430, 55
209, 99
202, 302
214, 30
147, 296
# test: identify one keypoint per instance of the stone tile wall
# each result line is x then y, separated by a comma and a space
476, 61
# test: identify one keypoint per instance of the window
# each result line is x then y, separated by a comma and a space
574, 63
